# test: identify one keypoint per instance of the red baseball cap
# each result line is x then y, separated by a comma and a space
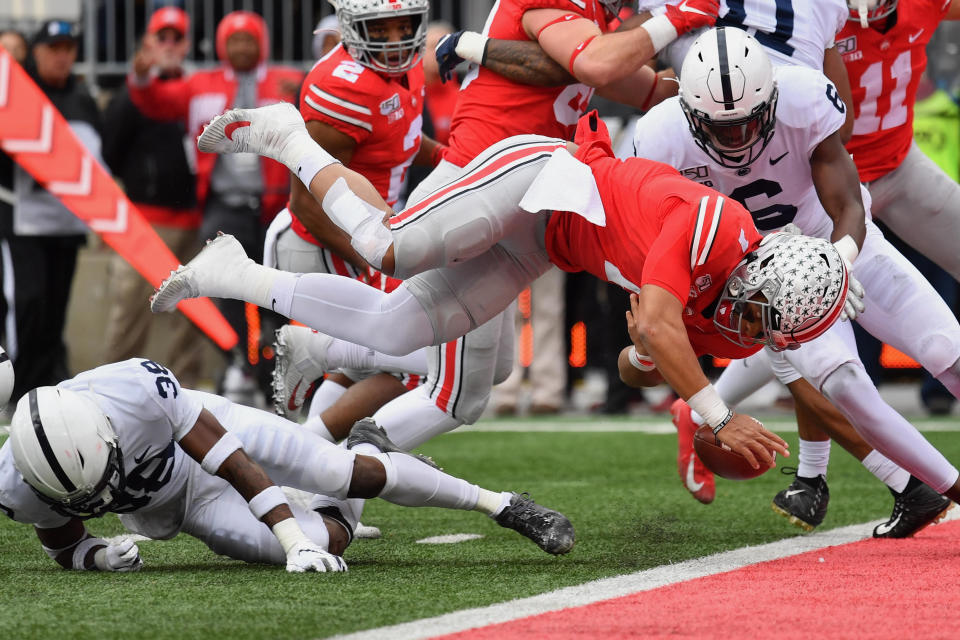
169, 18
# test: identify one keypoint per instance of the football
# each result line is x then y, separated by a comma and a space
722, 460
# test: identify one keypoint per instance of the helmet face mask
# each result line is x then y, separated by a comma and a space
67, 452
360, 24
729, 96
793, 287
867, 11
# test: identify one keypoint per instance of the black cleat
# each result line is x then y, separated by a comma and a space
804, 502
913, 510
368, 431
550, 529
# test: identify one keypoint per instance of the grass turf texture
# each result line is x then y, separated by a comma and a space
621, 491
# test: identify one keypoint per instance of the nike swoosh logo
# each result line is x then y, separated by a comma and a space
691, 483
914, 36
794, 492
886, 527
142, 456
233, 126
273, 305
774, 161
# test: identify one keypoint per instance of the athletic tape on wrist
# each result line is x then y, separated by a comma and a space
289, 534
82, 549
661, 31
262, 503
711, 407
847, 248
643, 363
472, 47
219, 452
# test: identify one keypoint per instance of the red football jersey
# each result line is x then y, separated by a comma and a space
884, 70
491, 108
674, 233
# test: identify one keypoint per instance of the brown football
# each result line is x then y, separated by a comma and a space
722, 460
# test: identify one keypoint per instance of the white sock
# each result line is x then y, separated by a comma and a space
362, 221
412, 418
279, 295
314, 424
412, 483
886, 471
492, 502
813, 458
348, 355
325, 396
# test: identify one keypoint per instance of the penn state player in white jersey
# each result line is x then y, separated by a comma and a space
768, 137
126, 438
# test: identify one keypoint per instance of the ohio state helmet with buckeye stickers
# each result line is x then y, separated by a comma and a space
391, 58
798, 284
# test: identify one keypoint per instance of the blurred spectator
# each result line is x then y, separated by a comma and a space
441, 96
149, 158
326, 36
14, 42
238, 193
41, 237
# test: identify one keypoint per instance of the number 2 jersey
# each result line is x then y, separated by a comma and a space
491, 108
884, 70
149, 411
777, 188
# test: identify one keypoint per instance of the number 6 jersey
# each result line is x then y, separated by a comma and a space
777, 188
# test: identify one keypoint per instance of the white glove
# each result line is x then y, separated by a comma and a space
306, 556
853, 305
123, 556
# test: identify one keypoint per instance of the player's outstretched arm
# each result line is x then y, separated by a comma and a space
72, 547
660, 328
221, 453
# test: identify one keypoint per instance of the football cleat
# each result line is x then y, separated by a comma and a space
695, 476
804, 502
298, 365
549, 529
913, 510
366, 431
217, 271
276, 131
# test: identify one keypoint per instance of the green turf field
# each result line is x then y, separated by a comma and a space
621, 490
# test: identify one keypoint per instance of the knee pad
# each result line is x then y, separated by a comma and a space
435, 241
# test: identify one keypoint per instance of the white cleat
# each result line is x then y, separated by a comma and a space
276, 131
216, 271
299, 362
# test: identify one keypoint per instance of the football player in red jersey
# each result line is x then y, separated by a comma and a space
465, 252
884, 49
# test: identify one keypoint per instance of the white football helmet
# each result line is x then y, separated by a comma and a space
392, 58
867, 11
799, 284
66, 450
729, 96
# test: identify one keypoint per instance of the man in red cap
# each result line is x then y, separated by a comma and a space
149, 157
240, 195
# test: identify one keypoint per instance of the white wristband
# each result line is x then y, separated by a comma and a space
265, 501
847, 248
219, 452
709, 405
82, 549
289, 534
661, 31
472, 46
643, 363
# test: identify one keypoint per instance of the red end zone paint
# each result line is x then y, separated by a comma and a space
867, 589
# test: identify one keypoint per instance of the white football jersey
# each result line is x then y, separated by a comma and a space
777, 188
149, 411
793, 32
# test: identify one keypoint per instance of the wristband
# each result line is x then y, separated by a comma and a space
723, 422
710, 406
847, 248
567, 17
83, 548
289, 534
643, 363
577, 51
219, 452
265, 501
661, 32
472, 46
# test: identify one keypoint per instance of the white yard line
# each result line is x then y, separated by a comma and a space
618, 586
